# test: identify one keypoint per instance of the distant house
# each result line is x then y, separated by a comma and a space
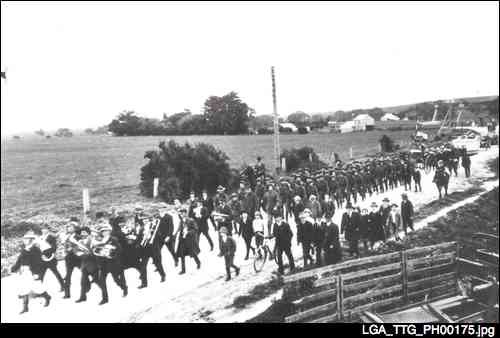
389, 117
287, 125
363, 122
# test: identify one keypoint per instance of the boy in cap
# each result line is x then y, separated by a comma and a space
228, 249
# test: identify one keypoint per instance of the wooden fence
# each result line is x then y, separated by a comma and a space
341, 291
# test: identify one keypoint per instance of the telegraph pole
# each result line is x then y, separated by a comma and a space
276, 135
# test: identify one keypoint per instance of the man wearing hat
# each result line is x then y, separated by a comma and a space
315, 207
200, 215
187, 241
283, 235
260, 168
47, 243
305, 235
30, 269
385, 210
376, 227
331, 243
350, 227
191, 203
406, 213
235, 207
270, 201
228, 249
250, 203
393, 223
208, 203
466, 162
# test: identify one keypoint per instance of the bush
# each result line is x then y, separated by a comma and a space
181, 169
299, 158
265, 131
302, 130
387, 144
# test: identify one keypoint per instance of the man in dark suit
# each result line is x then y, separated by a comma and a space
208, 203
331, 243
48, 246
305, 235
350, 227
466, 162
283, 235
406, 213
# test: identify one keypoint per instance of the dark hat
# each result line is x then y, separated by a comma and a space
385, 199
394, 205
404, 195
374, 204
84, 228
349, 206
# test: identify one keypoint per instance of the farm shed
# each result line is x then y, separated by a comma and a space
389, 117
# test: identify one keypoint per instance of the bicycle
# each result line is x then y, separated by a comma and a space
261, 254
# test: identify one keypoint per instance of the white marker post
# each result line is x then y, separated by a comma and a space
86, 202
156, 182
350, 152
283, 164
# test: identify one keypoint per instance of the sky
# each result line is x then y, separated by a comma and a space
79, 65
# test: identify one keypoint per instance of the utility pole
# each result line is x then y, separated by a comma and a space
276, 135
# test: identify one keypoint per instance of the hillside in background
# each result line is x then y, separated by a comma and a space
481, 107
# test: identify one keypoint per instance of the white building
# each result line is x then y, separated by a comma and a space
389, 117
364, 120
290, 126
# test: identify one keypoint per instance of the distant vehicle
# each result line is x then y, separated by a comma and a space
471, 141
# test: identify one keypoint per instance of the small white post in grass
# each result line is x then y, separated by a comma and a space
86, 201
310, 157
350, 152
379, 148
283, 164
156, 182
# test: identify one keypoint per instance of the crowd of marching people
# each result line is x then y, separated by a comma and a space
262, 209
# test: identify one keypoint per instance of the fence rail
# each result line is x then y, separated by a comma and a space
380, 281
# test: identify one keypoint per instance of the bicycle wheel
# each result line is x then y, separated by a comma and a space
259, 259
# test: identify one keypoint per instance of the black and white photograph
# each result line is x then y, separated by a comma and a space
251, 162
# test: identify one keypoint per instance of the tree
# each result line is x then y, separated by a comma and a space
40, 132
387, 144
127, 123
183, 168
226, 114
63, 132
299, 118
89, 131
318, 121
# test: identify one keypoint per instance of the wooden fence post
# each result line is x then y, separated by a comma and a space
340, 298
350, 153
404, 275
457, 271
283, 164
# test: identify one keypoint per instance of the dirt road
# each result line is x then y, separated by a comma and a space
199, 295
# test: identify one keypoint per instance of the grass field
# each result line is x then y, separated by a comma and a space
42, 176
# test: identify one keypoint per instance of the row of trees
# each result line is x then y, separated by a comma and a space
221, 115
229, 115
